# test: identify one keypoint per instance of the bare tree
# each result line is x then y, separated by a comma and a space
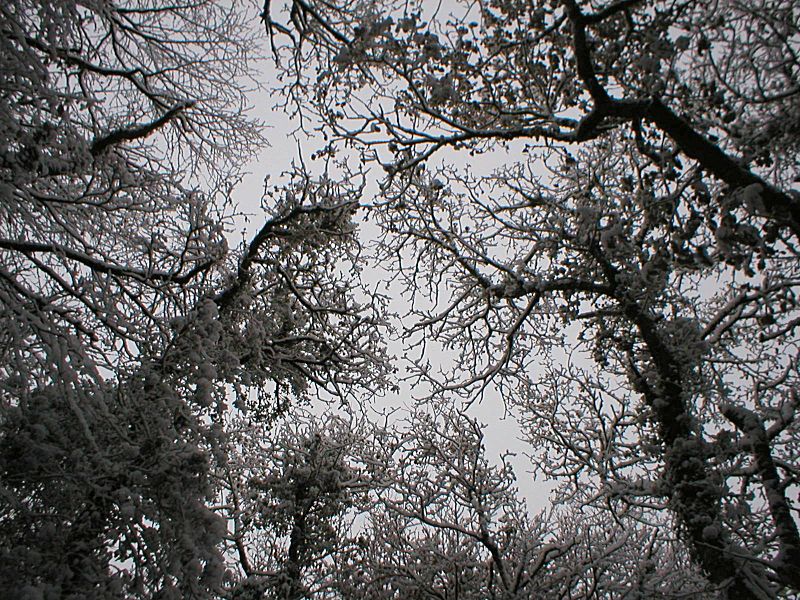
644, 218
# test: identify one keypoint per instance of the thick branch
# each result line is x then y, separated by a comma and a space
780, 206
99, 266
788, 559
270, 230
524, 287
694, 495
136, 132
583, 56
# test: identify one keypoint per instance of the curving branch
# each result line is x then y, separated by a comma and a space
136, 132
99, 266
752, 426
781, 206
271, 229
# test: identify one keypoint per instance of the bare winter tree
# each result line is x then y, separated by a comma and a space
125, 322
627, 279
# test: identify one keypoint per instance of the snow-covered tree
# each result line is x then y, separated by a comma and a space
627, 279
125, 321
328, 507
110, 118
589, 206
291, 493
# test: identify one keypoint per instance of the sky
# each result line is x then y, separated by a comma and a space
502, 433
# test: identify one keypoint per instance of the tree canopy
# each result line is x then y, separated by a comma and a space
586, 209
642, 215
128, 324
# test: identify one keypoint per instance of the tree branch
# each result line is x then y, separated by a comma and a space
25, 247
583, 56
788, 558
269, 230
781, 206
136, 132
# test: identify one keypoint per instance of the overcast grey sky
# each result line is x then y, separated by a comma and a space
502, 432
